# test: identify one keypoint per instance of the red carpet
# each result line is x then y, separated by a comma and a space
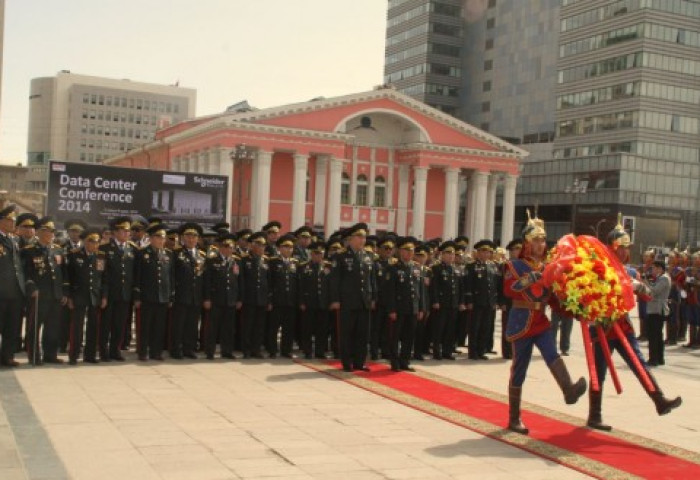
602, 455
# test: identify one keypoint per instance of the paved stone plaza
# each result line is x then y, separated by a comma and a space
277, 419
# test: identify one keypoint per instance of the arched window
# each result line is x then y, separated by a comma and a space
379, 191
345, 189
362, 190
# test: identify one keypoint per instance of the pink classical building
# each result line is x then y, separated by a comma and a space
378, 157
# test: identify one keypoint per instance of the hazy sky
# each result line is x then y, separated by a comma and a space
270, 52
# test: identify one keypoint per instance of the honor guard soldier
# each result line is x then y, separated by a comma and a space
481, 295
85, 267
44, 265
242, 245
26, 235
379, 324
304, 236
152, 294
221, 297
528, 325
254, 295
353, 293
284, 297
405, 303
446, 297
188, 276
513, 248
12, 285
272, 233
119, 255
314, 298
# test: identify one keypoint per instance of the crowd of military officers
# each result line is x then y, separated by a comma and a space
139, 284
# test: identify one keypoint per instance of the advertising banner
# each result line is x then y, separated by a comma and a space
98, 193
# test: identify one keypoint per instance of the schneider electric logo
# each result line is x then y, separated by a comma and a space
209, 182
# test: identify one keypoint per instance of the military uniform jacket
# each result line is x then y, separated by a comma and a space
12, 281
254, 280
445, 286
353, 282
301, 254
481, 284
84, 274
44, 269
222, 280
153, 280
284, 282
25, 243
382, 268
404, 288
118, 280
188, 276
314, 285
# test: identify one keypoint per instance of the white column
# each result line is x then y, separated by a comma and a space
372, 175
261, 189
480, 180
353, 178
469, 210
508, 217
320, 190
402, 211
390, 181
226, 167
420, 175
491, 205
301, 163
451, 211
333, 201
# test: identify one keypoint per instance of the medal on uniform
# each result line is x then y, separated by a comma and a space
100, 265
58, 259
234, 268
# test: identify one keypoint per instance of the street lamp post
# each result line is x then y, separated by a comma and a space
239, 156
578, 187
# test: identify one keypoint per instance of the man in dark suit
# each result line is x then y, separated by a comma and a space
44, 264
353, 293
12, 284
85, 267
119, 255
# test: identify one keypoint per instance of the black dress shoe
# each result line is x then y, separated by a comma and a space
321, 356
72, 361
91, 360
420, 358
10, 363
191, 355
408, 369
347, 369
228, 355
395, 369
158, 358
483, 357
143, 358
308, 356
272, 355
287, 355
362, 368
57, 361
105, 359
565, 353
449, 357
210, 357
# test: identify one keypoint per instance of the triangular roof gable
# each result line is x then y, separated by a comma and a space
327, 114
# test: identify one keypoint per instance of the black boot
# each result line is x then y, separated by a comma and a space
572, 391
595, 418
663, 404
514, 422
692, 337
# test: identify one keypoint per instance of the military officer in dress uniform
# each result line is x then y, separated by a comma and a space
284, 297
353, 293
172, 239
272, 233
153, 292
421, 341
12, 285
119, 255
221, 297
446, 296
379, 323
188, 276
334, 245
304, 237
26, 235
85, 267
463, 316
242, 245
74, 228
44, 264
314, 296
405, 303
513, 248
138, 231
481, 293
254, 296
